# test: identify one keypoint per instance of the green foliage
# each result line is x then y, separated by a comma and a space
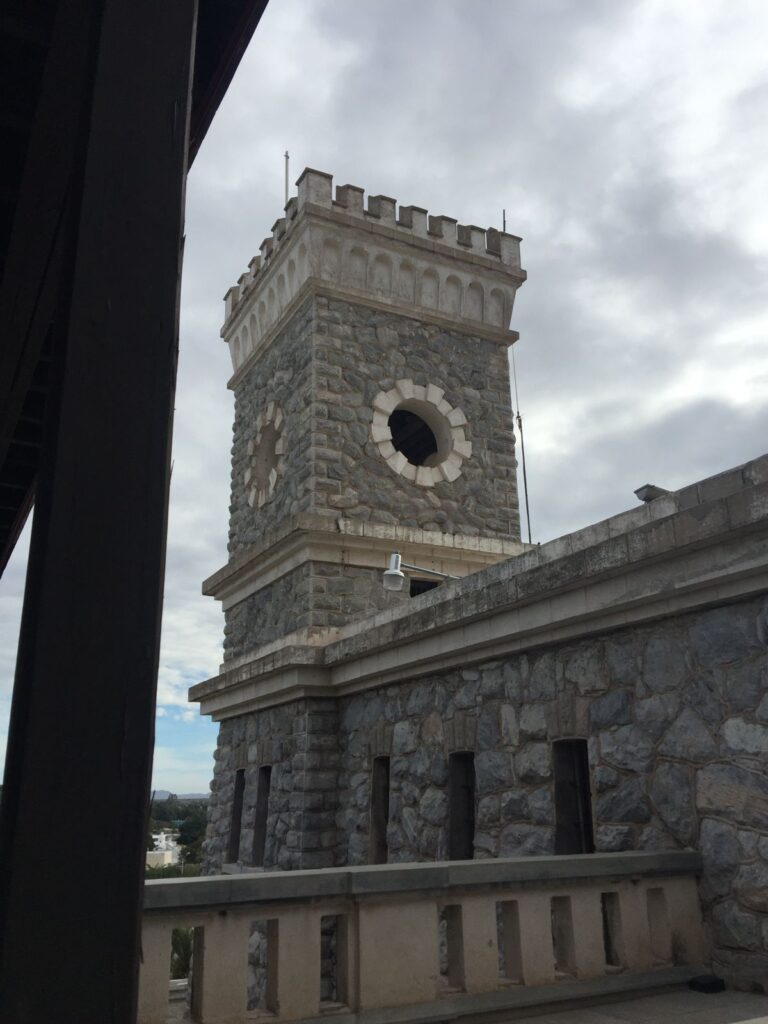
189, 817
173, 871
181, 952
192, 831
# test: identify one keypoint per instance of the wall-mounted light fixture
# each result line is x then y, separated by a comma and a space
394, 577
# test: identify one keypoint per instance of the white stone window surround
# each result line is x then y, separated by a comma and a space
266, 456
446, 423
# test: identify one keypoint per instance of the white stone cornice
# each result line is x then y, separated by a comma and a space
288, 673
348, 542
700, 547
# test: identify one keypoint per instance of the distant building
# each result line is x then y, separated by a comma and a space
166, 852
606, 691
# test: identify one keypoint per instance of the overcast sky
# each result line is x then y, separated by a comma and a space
626, 139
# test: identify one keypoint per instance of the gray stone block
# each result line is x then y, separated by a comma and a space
655, 714
627, 746
533, 721
534, 763
433, 806
665, 665
734, 793
671, 793
541, 806
721, 636
488, 811
488, 728
742, 737
525, 841
514, 805
613, 838
404, 737
745, 685
736, 928
493, 771
628, 803
614, 708
751, 886
586, 668
604, 778
688, 738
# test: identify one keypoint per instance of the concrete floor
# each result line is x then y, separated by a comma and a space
678, 1007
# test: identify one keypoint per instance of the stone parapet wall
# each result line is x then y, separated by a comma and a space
677, 721
676, 715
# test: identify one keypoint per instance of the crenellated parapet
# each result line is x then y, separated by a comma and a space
376, 252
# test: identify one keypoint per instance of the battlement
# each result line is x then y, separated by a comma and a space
459, 270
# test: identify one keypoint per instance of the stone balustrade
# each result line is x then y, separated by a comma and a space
418, 942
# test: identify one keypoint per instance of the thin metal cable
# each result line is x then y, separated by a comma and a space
519, 418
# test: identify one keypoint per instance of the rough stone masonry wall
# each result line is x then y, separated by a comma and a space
359, 352
300, 741
676, 714
283, 374
313, 594
677, 719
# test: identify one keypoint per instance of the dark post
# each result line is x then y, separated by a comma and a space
82, 725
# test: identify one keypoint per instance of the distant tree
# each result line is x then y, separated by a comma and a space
181, 952
192, 831
173, 871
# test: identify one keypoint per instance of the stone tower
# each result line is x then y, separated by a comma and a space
372, 409
372, 415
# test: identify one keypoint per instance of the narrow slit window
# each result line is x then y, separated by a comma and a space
237, 817
461, 806
262, 812
379, 810
573, 801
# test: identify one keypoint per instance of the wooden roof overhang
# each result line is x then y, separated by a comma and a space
46, 65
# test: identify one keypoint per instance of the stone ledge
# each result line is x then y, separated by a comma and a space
314, 537
314, 286
388, 879
702, 555
495, 1006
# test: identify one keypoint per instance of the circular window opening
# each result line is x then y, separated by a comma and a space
413, 437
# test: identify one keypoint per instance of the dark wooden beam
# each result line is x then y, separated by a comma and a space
50, 184
80, 746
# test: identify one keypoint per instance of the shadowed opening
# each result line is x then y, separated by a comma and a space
412, 436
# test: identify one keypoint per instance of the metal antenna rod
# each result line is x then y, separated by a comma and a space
519, 419
286, 177
503, 220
